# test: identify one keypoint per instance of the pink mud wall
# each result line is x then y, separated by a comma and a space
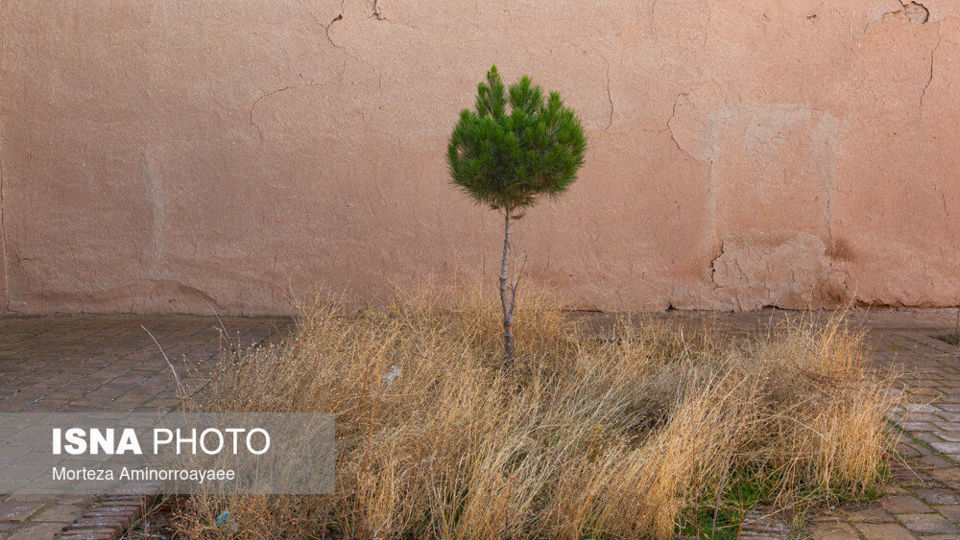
160, 156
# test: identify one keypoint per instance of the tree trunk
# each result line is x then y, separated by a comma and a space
506, 299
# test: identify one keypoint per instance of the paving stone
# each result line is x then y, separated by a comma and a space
90, 534
927, 523
921, 417
950, 477
18, 511
884, 531
37, 531
928, 437
915, 407
935, 461
869, 514
918, 426
832, 531
911, 450
950, 511
937, 495
904, 504
60, 513
949, 434
946, 447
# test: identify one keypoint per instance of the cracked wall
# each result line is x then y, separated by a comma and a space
171, 156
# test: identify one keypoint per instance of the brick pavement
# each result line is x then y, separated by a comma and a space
88, 363
108, 363
923, 500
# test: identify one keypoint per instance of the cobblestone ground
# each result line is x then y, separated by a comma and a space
98, 363
108, 363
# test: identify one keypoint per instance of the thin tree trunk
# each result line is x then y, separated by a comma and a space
505, 298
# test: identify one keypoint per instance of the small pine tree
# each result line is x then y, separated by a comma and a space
506, 158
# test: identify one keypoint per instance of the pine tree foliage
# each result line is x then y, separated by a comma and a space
515, 145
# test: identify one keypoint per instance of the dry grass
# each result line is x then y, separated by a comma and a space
646, 433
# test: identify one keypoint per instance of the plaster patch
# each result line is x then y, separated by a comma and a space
787, 269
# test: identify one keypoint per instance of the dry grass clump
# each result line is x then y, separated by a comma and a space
649, 432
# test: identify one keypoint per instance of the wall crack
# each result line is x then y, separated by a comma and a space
326, 27
253, 106
933, 53
669, 130
609, 96
326, 30
378, 15
256, 102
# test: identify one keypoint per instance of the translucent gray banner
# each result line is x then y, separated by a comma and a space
176, 453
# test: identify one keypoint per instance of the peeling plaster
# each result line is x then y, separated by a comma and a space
915, 13
786, 269
912, 13
377, 14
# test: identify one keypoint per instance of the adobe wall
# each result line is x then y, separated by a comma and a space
163, 156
